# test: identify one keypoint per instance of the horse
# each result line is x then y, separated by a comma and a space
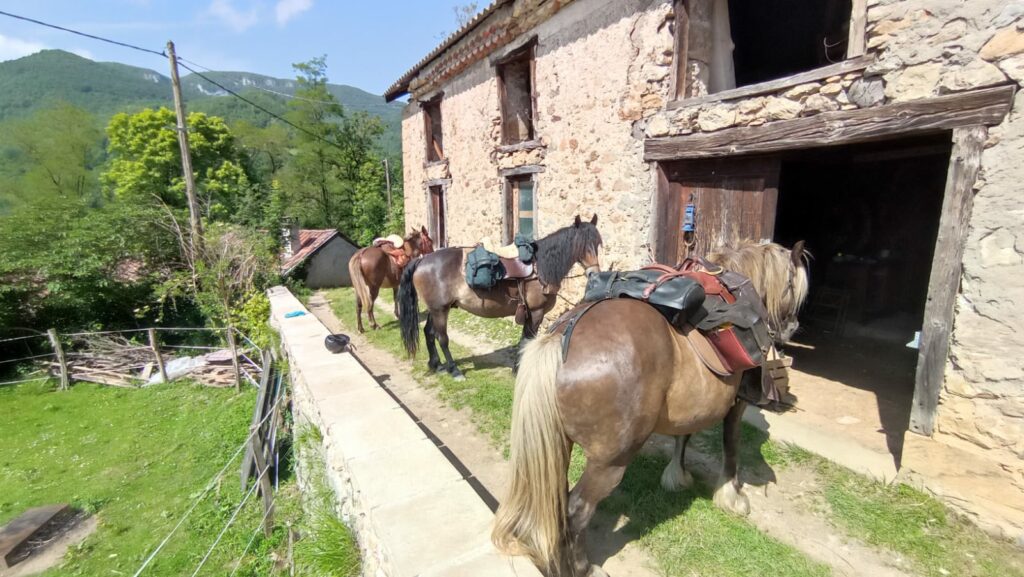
627, 373
372, 269
440, 279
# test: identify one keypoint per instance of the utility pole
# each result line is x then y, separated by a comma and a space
387, 177
186, 158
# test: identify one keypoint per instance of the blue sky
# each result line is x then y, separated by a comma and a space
368, 44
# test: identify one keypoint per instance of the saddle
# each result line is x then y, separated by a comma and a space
396, 252
732, 334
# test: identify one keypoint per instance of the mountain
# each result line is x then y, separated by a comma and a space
105, 88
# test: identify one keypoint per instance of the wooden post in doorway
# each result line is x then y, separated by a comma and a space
156, 353
186, 158
944, 283
59, 350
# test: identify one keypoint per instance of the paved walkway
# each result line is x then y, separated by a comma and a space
413, 511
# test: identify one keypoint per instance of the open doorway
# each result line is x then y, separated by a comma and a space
869, 214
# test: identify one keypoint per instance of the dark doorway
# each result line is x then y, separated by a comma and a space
869, 214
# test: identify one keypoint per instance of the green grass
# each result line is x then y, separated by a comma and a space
136, 459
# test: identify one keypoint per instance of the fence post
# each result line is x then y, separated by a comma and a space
59, 350
156, 353
234, 359
263, 472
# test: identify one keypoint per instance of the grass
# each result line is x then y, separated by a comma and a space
327, 548
136, 459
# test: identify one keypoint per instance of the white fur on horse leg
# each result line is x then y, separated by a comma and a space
729, 498
675, 477
596, 571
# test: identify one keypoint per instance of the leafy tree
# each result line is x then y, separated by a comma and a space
145, 161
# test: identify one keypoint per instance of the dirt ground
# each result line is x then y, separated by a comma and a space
781, 502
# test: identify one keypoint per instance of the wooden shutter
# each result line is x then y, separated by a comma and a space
735, 199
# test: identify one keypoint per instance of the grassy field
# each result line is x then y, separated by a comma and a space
138, 459
684, 532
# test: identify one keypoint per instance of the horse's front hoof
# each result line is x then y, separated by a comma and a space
675, 478
728, 497
458, 376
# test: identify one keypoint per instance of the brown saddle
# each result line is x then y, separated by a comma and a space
515, 268
397, 254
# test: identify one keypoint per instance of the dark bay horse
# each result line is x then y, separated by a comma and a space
372, 269
441, 281
627, 374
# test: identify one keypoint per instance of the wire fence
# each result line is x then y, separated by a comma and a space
133, 357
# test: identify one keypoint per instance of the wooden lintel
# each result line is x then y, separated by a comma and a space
777, 85
986, 107
524, 145
519, 170
437, 182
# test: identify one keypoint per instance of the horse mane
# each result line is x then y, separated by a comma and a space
558, 251
769, 267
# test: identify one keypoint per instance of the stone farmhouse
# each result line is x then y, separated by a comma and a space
888, 134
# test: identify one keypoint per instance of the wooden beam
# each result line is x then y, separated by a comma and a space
858, 34
681, 39
944, 283
777, 85
979, 107
520, 170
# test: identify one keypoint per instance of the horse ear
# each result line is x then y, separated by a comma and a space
577, 222
593, 221
797, 253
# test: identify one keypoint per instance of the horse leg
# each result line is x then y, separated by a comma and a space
730, 495
374, 291
433, 362
675, 477
359, 313
394, 298
598, 481
440, 319
530, 329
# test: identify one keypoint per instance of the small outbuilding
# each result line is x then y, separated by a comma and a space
318, 257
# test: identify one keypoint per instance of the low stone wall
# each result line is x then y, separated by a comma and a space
412, 512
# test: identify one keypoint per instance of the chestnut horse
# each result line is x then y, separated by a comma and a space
372, 269
440, 278
627, 373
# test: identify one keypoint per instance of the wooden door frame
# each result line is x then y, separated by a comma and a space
444, 183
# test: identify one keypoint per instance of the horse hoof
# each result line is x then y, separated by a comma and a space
458, 376
729, 498
675, 478
596, 571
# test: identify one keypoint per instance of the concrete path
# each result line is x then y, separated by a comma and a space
413, 511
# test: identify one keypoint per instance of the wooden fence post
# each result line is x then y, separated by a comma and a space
234, 359
156, 353
57, 348
263, 472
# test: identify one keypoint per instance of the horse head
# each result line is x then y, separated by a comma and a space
418, 243
779, 275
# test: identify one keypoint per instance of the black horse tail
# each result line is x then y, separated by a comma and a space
409, 309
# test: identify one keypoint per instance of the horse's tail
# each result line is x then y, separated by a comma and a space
355, 271
531, 521
409, 309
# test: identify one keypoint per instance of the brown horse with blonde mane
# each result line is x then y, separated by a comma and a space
372, 269
627, 373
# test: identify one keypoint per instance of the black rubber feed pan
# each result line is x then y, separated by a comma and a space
337, 343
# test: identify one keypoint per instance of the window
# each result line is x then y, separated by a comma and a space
438, 228
725, 44
432, 121
516, 90
519, 207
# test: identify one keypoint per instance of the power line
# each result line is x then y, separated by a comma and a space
257, 106
100, 38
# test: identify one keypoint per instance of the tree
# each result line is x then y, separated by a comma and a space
145, 161
464, 13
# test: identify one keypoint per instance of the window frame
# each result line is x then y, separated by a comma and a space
511, 214
855, 60
526, 52
429, 108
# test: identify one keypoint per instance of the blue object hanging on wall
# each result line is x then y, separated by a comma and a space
690, 218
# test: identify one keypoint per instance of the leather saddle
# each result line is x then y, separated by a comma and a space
515, 268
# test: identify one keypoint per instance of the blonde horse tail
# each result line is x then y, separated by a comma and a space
531, 521
355, 270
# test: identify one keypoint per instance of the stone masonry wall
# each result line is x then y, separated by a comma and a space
603, 79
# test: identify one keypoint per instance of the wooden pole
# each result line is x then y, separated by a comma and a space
264, 480
156, 353
186, 158
234, 359
57, 348
387, 178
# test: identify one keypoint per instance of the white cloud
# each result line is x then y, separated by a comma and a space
285, 10
12, 48
235, 19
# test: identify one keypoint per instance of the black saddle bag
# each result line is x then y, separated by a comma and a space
681, 295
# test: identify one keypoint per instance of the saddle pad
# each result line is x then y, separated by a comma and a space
706, 352
515, 268
509, 251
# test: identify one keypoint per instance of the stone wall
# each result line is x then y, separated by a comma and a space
603, 80
328, 268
